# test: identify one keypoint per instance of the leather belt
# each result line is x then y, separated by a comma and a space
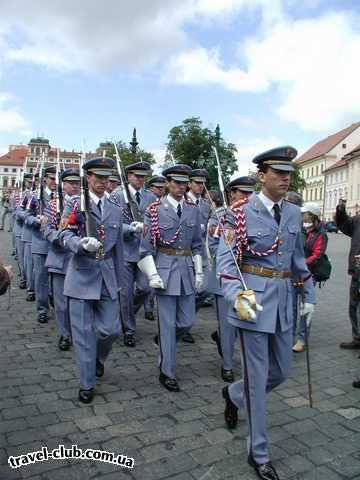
176, 251
264, 272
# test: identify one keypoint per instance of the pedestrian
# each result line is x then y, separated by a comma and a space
93, 281
316, 241
226, 334
263, 239
5, 203
350, 226
136, 287
5, 278
171, 259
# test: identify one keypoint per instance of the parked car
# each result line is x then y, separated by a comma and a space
331, 227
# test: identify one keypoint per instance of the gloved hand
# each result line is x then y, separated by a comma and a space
202, 226
245, 305
136, 227
199, 282
307, 311
155, 281
90, 244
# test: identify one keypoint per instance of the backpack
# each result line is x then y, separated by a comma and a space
322, 270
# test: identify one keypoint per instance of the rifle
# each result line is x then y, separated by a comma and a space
90, 226
130, 203
33, 187
22, 176
59, 193
40, 189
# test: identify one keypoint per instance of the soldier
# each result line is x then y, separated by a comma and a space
157, 186
197, 182
58, 258
170, 252
18, 227
113, 182
263, 238
226, 334
14, 202
92, 280
40, 246
26, 238
136, 287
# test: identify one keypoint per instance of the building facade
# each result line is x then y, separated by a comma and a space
336, 187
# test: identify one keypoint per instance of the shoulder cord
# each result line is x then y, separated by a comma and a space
155, 229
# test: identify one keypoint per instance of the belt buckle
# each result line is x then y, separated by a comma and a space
276, 274
177, 252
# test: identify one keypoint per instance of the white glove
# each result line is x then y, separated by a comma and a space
199, 276
90, 244
136, 227
245, 305
147, 266
202, 227
307, 311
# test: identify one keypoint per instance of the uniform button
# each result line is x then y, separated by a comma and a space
259, 233
280, 242
280, 253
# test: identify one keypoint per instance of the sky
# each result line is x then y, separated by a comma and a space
270, 72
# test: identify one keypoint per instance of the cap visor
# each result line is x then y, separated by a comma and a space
282, 167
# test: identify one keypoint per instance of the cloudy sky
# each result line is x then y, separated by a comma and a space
269, 71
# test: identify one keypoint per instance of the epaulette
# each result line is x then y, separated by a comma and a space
154, 203
189, 202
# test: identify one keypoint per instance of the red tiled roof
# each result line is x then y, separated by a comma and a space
340, 163
14, 158
353, 152
328, 143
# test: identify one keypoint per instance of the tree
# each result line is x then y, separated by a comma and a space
297, 183
190, 143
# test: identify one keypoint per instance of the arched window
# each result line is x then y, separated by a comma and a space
5, 182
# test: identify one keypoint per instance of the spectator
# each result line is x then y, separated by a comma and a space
294, 197
5, 203
5, 278
315, 246
350, 226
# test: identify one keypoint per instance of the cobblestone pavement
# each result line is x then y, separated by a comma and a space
179, 436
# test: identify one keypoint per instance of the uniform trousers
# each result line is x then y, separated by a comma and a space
61, 304
176, 316
131, 299
20, 256
41, 282
29, 268
227, 332
266, 360
94, 327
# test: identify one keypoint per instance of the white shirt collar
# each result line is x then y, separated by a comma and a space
133, 190
269, 204
48, 191
96, 199
193, 197
174, 203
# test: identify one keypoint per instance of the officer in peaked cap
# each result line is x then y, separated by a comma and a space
92, 280
113, 182
157, 185
241, 187
136, 288
170, 254
264, 238
58, 257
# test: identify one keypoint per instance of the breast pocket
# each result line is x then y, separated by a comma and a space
291, 234
260, 239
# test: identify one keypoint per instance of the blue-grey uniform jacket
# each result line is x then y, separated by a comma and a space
131, 240
205, 213
85, 274
39, 244
213, 240
275, 295
177, 272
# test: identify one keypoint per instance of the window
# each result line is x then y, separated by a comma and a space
14, 170
317, 170
344, 145
307, 173
13, 182
315, 194
5, 182
322, 168
311, 193
320, 193
341, 175
358, 192
6, 169
312, 171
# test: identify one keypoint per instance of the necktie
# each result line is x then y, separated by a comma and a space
197, 201
51, 195
277, 214
137, 196
179, 210
100, 207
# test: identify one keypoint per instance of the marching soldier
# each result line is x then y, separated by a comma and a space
170, 253
40, 246
226, 334
18, 227
112, 183
58, 258
263, 239
136, 287
197, 182
14, 202
92, 281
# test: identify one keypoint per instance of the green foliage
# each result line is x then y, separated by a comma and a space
127, 156
297, 183
190, 143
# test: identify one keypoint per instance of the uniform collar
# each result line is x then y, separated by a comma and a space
174, 203
269, 204
133, 190
193, 197
96, 199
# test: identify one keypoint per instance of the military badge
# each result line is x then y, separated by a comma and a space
229, 235
145, 230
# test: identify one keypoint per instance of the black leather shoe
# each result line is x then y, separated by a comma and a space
22, 284
215, 338
156, 340
86, 396
356, 384
43, 318
64, 343
99, 368
188, 338
265, 471
149, 316
231, 410
30, 297
13, 254
129, 341
227, 375
169, 383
